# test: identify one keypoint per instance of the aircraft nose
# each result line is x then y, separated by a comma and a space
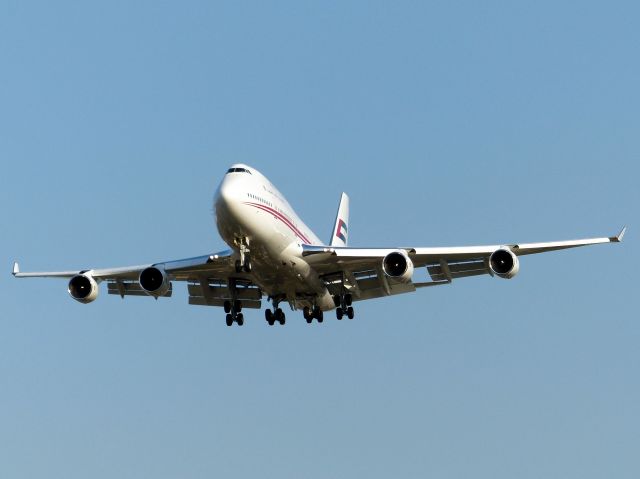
225, 192
228, 197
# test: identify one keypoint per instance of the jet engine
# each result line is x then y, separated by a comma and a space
504, 263
83, 288
398, 266
154, 281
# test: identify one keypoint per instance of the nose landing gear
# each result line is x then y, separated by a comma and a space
244, 263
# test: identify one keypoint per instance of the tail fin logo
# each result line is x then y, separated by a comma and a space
342, 231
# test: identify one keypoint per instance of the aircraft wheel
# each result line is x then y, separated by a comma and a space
240, 319
227, 307
268, 315
348, 299
350, 313
339, 313
306, 312
247, 264
229, 320
308, 315
237, 306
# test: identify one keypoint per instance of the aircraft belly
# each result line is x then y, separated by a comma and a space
274, 244
286, 273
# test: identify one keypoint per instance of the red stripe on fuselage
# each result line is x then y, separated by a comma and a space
282, 218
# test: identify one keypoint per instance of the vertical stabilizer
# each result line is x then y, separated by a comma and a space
340, 234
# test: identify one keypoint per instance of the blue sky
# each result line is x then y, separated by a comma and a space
448, 123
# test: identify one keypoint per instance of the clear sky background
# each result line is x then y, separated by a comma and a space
448, 123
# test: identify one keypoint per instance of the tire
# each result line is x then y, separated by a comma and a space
282, 319
348, 299
309, 319
240, 319
229, 320
339, 313
227, 307
237, 306
336, 301
350, 312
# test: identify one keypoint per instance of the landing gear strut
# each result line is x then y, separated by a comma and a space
233, 307
244, 263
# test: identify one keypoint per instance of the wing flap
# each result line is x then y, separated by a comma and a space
200, 301
244, 293
374, 288
219, 264
447, 272
216, 293
129, 288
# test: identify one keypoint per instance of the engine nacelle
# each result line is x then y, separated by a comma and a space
504, 263
83, 288
154, 281
398, 266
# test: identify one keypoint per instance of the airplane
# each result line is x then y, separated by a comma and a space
274, 254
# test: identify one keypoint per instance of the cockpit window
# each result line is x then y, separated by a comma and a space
238, 170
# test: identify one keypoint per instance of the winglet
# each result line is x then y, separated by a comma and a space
16, 268
618, 238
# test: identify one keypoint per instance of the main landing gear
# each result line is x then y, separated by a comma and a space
276, 314
313, 313
234, 312
272, 316
343, 306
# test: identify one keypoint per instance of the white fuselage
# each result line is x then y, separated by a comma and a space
250, 209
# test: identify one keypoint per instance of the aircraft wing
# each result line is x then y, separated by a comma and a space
183, 269
210, 277
362, 273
